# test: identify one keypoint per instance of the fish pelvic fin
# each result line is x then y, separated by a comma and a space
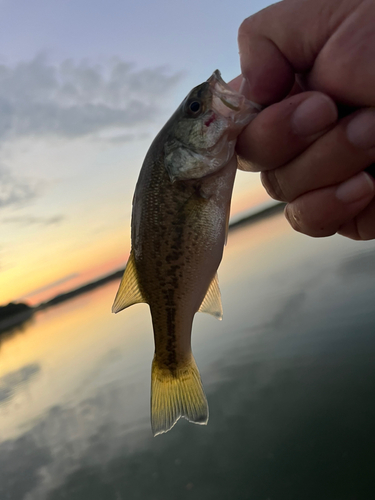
212, 301
176, 394
128, 292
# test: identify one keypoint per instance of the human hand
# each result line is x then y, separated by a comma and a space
308, 155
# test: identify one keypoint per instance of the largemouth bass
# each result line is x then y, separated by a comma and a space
179, 224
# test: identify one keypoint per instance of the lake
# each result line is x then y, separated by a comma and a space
289, 375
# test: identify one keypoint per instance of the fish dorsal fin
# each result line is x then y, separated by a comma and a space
128, 292
212, 302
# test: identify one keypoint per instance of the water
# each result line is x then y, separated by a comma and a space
289, 375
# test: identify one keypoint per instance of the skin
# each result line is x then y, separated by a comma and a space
311, 63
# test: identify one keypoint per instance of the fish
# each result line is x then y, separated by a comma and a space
179, 226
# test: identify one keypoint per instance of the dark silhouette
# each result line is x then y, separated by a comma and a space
14, 314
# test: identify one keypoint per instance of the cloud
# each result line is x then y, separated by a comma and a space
31, 220
14, 190
122, 138
76, 99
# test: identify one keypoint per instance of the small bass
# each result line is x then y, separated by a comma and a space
179, 223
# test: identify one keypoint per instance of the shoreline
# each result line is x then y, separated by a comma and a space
17, 319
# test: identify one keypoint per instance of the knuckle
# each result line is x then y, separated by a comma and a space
252, 28
271, 182
253, 24
247, 25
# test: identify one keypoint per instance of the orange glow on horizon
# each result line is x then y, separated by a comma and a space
57, 266
33, 282
82, 279
242, 203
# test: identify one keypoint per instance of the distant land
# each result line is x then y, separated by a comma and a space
82, 289
14, 314
257, 214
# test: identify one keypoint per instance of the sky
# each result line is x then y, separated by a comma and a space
84, 88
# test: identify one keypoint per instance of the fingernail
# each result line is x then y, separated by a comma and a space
313, 115
355, 189
361, 130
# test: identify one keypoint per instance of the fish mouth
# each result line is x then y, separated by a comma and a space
228, 102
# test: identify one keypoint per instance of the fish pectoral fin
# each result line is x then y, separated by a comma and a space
212, 302
128, 292
176, 394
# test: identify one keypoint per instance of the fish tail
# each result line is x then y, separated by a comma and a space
176, 394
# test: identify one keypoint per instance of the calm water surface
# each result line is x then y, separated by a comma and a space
289, 375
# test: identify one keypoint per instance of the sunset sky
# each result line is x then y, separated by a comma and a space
84, 88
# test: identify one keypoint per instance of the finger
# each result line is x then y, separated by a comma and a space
336, 156
270, 54
235, 84
362, 227
297, 88
284, 130
326, 211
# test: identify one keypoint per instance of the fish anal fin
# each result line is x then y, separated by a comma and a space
212, 301
176, 394
128, 292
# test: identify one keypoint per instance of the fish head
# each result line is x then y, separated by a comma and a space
204, 129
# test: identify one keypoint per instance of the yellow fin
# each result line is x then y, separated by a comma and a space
175, 395
128, 292
212, 302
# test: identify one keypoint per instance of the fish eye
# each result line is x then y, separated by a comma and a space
195, 106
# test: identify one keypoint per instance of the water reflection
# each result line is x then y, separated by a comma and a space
12, 380
289, 376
